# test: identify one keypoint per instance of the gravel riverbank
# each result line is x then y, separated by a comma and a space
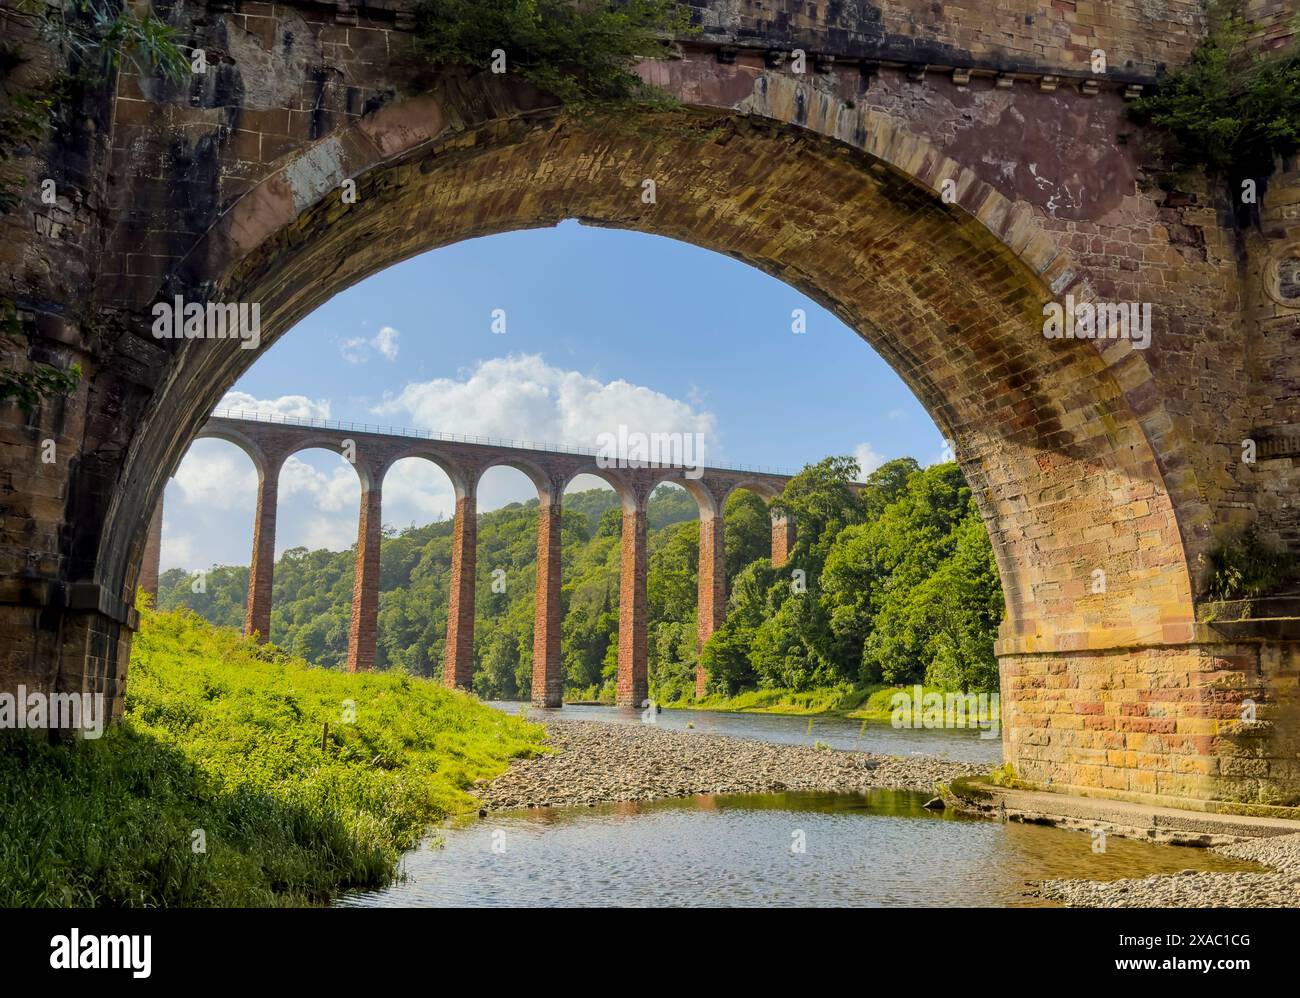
1278, 888
598, 762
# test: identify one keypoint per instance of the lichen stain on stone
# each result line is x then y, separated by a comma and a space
274, 79
315, 172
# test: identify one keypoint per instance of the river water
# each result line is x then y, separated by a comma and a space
877, 849
959, 745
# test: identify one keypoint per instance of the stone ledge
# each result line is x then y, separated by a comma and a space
1265, 618
1150, 818
79, 597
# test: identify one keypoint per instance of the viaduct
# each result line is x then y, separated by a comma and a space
940, 174
268, 443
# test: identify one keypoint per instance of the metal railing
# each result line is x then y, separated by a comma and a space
316, 422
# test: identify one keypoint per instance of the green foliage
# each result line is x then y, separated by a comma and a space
98, 37
901, 587
916, 590
42, 381
225, 736
583, 53
822, 502
1229, 108
30, 388
1244, 567
747, 532
313, 593
23, 123
106, 34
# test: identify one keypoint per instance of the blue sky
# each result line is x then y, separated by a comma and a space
601, 327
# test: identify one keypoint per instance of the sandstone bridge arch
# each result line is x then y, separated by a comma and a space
1083, 455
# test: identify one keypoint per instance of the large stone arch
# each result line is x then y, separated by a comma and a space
841, 203
1079, 457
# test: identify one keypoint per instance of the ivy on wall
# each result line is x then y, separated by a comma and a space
1229, 109
583, 53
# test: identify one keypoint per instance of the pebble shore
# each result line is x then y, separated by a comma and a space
1278, 888
597, 762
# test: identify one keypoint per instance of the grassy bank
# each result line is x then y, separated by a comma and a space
222, 748
865, 703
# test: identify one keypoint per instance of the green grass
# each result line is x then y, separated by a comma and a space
224, 736
865, 703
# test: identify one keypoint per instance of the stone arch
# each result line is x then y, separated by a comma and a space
612, 477
708, 503
1053, 436
532, 470
369, 474
263, 462
767, 491
458, 476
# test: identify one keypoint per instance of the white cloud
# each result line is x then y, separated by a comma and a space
296, 406
524, 398
356, 350
330, 491
868, 460
386, 342
215, 475
177, 549
418, 491
335, 533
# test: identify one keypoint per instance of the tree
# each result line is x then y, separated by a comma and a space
822, 502
747, 525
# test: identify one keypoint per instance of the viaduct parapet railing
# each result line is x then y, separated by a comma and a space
270, 441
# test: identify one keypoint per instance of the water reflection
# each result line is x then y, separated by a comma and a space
793, 849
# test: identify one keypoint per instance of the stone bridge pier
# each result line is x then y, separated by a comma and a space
941, 176
269, 443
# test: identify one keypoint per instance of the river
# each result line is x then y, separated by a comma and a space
877, 849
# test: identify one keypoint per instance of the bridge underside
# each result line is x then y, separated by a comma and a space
1084, 456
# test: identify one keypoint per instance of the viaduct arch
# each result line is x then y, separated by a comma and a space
269, 442
934, 181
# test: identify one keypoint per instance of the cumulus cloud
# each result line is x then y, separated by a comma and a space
177, 549
524, 398
358, 349
217, 476
868, 460
329, 491
418, 491
295, 406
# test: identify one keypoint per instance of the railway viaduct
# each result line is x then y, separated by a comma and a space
268, 443
939, 175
